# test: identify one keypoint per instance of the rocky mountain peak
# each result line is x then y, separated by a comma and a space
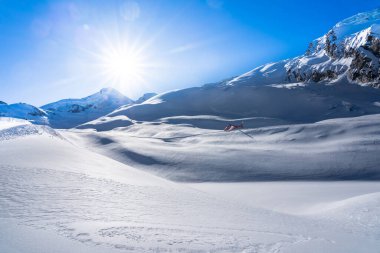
349, 51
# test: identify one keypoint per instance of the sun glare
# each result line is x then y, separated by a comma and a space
123, 67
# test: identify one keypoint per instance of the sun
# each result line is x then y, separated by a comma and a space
123, 66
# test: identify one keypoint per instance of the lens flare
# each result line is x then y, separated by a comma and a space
123, 67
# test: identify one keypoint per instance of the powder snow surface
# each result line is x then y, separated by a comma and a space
56, 195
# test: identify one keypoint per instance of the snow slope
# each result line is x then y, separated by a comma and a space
212, 107
106, 123
59, 197
6, 122
23, 111
335, 149
294, 197
69, 113
145, 97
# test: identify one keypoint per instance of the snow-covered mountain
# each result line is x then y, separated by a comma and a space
145, 97
69, 113
338, 76
23, 111
350, 51
264, 105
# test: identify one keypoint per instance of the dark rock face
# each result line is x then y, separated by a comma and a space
362, 70
313, 76
78, 108
373, 45
320, 76
364, 67
2, 103
331, 47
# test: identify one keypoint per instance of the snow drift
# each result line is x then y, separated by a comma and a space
336, 149
69, 199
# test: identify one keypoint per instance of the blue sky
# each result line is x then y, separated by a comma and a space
60, 49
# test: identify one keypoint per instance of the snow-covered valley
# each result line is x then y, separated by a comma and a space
334, 149
55, 187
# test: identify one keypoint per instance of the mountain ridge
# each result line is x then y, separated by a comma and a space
350, 50
68, 113
24, 111
334, 78
292, 90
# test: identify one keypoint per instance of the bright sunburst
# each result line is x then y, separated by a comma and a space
123, 66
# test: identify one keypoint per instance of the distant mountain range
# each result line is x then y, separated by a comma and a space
68, 113
337, 76
23, 111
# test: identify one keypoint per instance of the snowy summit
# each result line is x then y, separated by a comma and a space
69, 113
349, 51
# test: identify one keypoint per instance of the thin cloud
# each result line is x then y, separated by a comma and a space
191, 46
185, 48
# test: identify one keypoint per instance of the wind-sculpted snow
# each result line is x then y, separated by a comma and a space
107, 123
363, 210
335, 149
89, 202
99, 202
134, 218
